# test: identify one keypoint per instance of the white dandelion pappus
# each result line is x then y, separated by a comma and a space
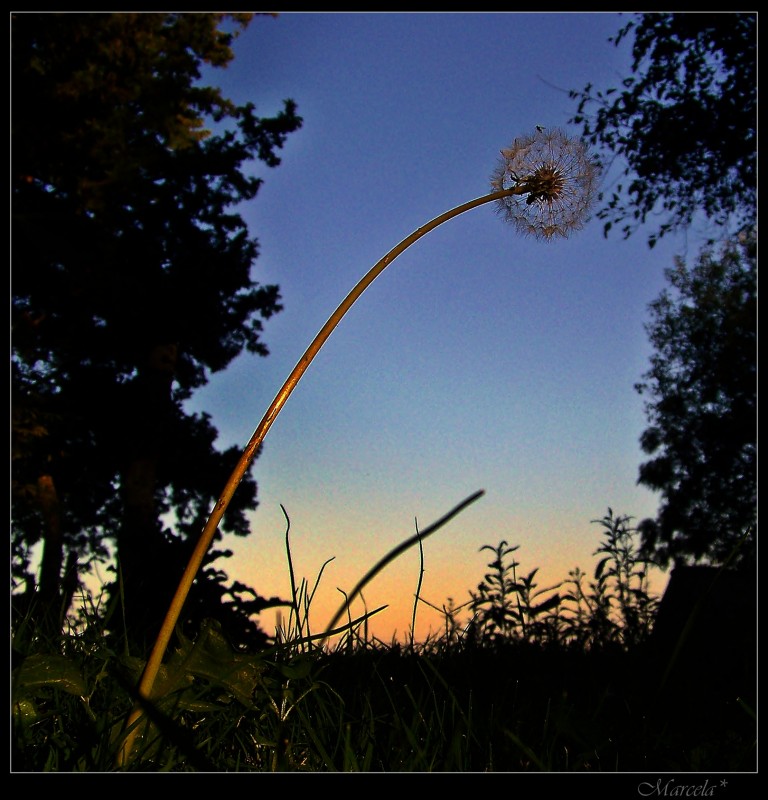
556, 179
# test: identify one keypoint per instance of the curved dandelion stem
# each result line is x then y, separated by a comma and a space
209, 531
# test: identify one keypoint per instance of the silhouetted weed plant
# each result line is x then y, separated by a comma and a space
616, 608
505, 605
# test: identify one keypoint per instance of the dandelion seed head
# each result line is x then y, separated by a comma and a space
556, 181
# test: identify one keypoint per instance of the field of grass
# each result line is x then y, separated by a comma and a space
569, 680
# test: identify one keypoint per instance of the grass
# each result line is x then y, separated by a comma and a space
564, 679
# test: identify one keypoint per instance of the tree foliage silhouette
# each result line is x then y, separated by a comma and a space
702, 410
684, 122
684, 125
131, 283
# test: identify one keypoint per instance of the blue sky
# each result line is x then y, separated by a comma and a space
479, 359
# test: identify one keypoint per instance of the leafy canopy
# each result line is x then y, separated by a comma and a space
701, 392
684, 123
132, 281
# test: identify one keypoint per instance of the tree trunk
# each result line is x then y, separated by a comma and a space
53, 545
146, 586
51, 604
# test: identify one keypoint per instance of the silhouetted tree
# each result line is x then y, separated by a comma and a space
131, 283
684, 123
702, 410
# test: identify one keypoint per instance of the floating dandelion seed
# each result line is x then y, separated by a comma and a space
557, 182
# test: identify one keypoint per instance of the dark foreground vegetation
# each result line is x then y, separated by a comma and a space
596, 676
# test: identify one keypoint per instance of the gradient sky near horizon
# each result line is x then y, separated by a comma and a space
478, 360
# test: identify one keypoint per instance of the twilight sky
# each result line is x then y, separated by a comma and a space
479, 359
